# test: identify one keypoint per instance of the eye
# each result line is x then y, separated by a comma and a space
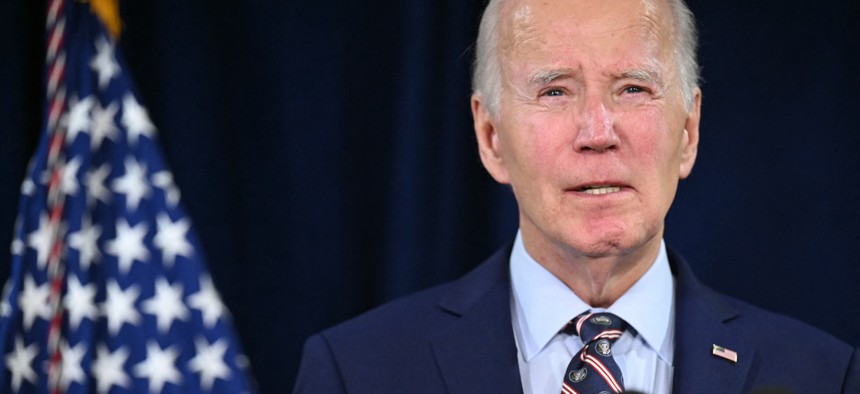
553, 92
633, 89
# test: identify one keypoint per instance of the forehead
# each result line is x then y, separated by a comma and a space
599, 30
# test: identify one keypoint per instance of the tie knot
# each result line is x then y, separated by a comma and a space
594, 326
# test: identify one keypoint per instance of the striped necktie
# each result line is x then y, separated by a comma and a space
593, 370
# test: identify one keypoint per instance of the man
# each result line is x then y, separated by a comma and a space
589, 110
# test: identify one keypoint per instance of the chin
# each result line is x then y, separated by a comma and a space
598, 242
602, 248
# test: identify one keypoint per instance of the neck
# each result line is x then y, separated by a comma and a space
597, 280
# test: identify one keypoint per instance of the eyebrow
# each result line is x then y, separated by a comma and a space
545, 77
648, 76
644, 75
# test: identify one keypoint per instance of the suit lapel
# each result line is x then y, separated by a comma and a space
476, 352
700, 323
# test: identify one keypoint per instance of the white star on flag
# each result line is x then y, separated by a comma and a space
71, 365
41, 240
164, 180
85, 241
33, 301
158, 367
128, 245
19, 362
166, 304
135, 119
78, 120
171, 238
109, 368
104, 63
69, 181
80, 302
207, 301
18, 247
5, 308
133, 184
95, 182
103, 125
28, 187
119, 307
209, 362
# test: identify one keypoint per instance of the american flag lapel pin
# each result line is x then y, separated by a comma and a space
727, 354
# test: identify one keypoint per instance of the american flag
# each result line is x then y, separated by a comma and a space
727, 354
108, 292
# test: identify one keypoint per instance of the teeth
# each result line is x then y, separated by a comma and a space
596, 190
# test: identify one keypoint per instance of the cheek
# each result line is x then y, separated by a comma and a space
656, 156
655, 144
537, 144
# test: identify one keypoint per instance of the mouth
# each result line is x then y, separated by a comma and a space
596, 190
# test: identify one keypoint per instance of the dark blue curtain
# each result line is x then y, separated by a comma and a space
325, 152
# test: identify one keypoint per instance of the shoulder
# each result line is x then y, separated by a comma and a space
788, 349
375, 351
778, 350
766, 327
408, 317
747, 320
397, 342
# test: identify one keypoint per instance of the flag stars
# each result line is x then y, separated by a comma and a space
171, 238
128, 245
78, 119
124, 312
104, 62
19, 362
166, 304
33, 301
158, 367
119, 307
136, 119
133, 184
95, 183
207, 301
109, 368
41, 241
103, 125
79, 302
18, 247
85, 241
164, 180
69, 177
72, 371
28, 187
209, 362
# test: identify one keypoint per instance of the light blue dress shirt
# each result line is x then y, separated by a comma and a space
542, 304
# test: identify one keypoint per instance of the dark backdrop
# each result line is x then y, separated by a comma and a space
325, 151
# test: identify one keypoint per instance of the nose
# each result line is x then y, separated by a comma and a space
596, 128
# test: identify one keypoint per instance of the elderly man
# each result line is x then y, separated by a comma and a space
590, 110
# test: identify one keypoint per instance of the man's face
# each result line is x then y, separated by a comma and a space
592, 131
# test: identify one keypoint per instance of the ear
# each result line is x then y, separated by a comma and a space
487, 135
690, 143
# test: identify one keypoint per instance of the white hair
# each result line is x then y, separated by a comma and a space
487, 73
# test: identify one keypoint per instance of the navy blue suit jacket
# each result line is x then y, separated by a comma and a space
458, 338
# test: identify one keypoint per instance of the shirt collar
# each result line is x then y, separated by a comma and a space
646, 306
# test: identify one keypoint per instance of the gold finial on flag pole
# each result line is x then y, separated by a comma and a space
108, 13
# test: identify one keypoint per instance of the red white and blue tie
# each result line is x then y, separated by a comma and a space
593, 370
